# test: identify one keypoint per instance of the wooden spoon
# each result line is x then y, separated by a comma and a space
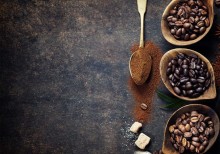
207, 111
166, 30
139, 59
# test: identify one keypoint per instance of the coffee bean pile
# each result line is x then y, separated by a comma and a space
191, 132
188, 75
188, 19
217, 2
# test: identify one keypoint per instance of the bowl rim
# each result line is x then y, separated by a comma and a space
169, 87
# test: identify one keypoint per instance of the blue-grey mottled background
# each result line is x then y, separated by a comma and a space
64, 75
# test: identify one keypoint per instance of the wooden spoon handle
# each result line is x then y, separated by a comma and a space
142, 9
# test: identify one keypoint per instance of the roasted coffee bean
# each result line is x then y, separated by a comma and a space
210, 123
177, 90
194, 119
196, 139
193, 139
188, 85
172, 12
184, 142
205, 143
183, 15
206, 119
181, 149
193, 36
194, 131
194, 114
187, 127
188, 75
187, 134
199, 89
196, 144
211, 131
171, 129
202, 30
207, 23
144, 106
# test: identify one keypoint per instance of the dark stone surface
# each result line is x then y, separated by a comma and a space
64, 75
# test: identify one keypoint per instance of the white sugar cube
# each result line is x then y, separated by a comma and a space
135, 127
142, 152
142, 141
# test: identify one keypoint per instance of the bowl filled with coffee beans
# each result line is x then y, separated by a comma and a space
193, 128
185, 22
188, 75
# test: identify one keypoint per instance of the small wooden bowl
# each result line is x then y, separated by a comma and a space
166, 30
210, 93
207, 111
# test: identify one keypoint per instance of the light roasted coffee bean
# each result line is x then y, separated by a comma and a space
192, 132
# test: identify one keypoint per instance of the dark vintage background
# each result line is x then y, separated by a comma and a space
64, 75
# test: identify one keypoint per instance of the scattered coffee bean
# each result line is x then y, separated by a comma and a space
191, 132
144, 106
188, 19
188, 75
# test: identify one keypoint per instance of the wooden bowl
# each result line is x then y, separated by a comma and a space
166, 30
210, 93
207, 111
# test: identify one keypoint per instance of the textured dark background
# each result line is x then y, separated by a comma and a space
64, 75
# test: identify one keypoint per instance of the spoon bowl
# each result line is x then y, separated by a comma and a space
210, 93
143, 61
167, 145
166, 30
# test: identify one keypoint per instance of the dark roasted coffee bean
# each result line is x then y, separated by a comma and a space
202, 30
184, 93
184, 79
191, 20
187, 25
188, 85
177, 90
185, 72
207, 23
190, 92
193, 36
176, 76
205, 143
186, 37
192, 80
169, 70
201, 80
173, 31
207, 83
199, 89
